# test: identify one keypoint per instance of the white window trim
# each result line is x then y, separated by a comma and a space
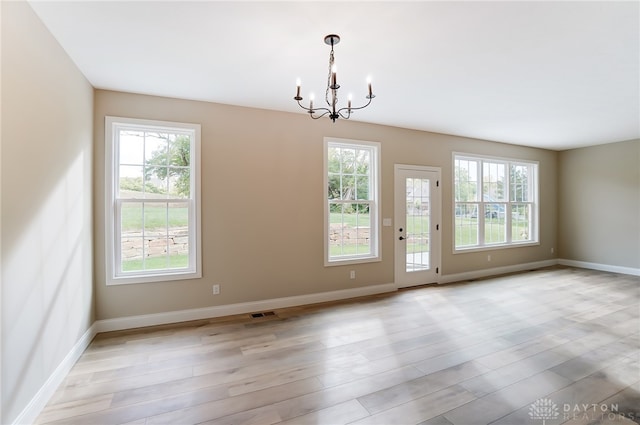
375, 213
535, 239
111, 162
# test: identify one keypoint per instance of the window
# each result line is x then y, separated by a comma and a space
152, 218
352, 206
495, 202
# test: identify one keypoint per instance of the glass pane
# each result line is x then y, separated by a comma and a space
362, 229
155, 149
130, 182
155, 218
348, 157
131, 147
333, 158
156, 182
493, 181
495, 210
132, 253
333, 191
178, 217
155, 235
131, 236
362, 162
466, 180
519, 182
520, 222
417, 220
466, 225
178, 242
131, 217
348, 187
349, 229
362, 240
179, 148
336, 229
179, 183
362, 187
156, 249
494, 223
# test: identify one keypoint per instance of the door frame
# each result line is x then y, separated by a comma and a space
435, 217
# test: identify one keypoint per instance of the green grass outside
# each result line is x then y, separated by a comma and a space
155, 216
350, 219
350, 249
156, 263
467, 228
417, 224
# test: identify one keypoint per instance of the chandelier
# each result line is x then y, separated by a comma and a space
331, 93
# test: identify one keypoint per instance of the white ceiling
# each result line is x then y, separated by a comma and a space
554, 75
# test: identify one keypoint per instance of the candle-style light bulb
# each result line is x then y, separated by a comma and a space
334, 72
298, 88
369, 84
349, 102
311, 97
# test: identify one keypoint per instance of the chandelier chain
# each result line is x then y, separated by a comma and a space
326, 93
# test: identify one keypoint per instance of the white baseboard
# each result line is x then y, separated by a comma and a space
240, 308
495, 271
601, 267
42, 397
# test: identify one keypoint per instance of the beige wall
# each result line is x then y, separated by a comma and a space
600, 204
262, 204
47, 293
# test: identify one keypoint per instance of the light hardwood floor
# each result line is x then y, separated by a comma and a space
468, 353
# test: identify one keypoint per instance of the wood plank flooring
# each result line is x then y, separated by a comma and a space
468, 353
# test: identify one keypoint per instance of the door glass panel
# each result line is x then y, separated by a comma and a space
417, 222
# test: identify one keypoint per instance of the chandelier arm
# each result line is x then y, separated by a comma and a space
326, 111
314, 110
303, 107
355, 108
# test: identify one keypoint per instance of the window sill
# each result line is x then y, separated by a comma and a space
151, 278
349, 261
494, 247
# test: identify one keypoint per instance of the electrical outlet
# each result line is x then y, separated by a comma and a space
488, 257
216, 289
553, 250
352, 274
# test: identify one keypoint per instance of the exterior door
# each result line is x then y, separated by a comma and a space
417, 225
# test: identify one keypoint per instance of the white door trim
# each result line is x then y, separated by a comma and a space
435, 272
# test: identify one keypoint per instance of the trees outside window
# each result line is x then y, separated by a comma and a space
495, 202
351, 213
152, 170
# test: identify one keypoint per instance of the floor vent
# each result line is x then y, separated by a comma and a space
264, 314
